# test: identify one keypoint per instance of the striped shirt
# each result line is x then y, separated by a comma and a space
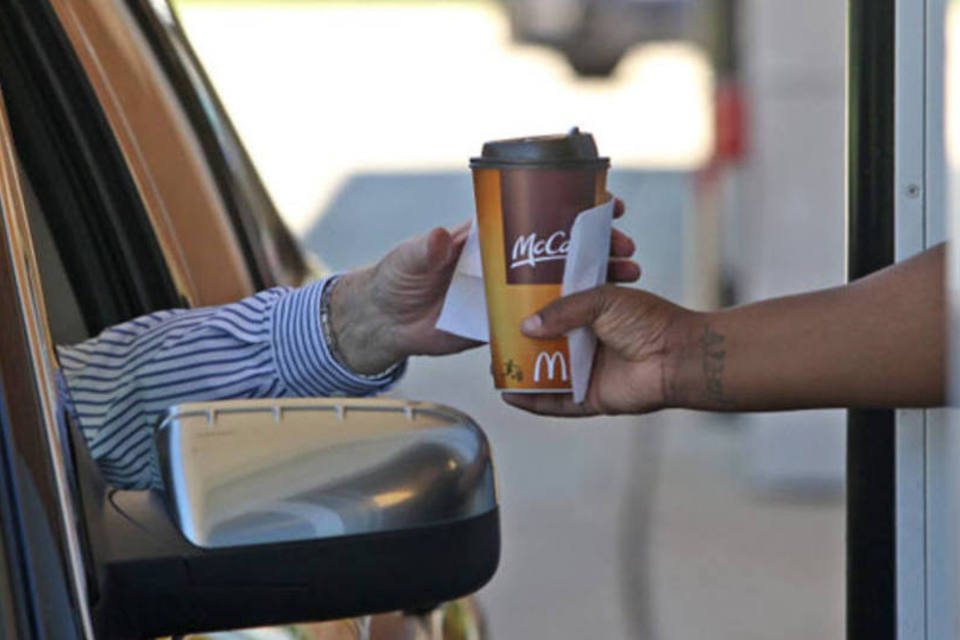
268, 345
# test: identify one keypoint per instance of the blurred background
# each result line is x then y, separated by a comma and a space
724, 120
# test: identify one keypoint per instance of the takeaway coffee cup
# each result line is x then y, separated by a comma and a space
528, 193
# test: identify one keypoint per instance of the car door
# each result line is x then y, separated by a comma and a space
272, 253
46, 594
64, 190
216, 226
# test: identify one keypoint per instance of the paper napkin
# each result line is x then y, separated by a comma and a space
464, 310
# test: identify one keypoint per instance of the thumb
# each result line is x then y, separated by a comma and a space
426, 253
576, 310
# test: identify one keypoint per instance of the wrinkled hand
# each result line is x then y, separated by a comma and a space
637, 334
384, 313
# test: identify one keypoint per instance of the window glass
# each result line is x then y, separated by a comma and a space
63, 311
76, 172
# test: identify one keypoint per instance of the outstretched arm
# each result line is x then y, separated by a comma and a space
347, 335
878, 342
268, 345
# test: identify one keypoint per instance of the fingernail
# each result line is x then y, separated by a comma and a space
532, 324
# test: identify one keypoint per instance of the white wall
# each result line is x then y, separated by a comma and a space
792, 215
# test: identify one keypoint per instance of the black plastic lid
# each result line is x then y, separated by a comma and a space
572, 149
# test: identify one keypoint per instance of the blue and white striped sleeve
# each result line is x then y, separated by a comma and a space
268, 345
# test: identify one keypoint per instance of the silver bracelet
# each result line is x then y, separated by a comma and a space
326, 325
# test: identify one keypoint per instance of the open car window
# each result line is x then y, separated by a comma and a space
64, 315
83, 190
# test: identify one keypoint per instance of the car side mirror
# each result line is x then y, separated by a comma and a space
278, 511
264, 472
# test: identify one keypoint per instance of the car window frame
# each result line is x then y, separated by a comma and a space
273, 254
61, 127
161, 149
35, 495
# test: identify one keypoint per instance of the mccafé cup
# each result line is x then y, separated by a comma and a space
528, 193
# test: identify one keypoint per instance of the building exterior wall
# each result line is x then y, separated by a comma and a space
790, 222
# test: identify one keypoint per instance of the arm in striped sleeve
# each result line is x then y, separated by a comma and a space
268, 345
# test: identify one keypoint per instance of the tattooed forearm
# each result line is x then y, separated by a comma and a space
714, 358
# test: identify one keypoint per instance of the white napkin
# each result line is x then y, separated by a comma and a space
586, 268
464, 310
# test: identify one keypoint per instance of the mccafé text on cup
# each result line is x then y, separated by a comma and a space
528, 193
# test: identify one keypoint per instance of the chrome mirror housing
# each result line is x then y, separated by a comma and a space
281, 511
268, 471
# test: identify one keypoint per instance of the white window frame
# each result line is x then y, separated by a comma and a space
925, 449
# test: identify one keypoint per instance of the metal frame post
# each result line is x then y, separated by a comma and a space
871, 544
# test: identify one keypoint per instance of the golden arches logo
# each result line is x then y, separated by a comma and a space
551, 360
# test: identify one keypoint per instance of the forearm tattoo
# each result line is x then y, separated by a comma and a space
714, 358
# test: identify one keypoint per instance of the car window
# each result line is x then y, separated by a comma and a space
37, 509
82, 191
64, 315
153, 133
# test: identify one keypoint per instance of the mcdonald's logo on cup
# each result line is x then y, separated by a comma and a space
551, 362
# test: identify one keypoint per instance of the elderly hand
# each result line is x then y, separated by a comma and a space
384, 313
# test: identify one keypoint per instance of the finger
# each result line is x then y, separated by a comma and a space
621, 245
619, 208
423, 254
439, 248
549, 404
623, 271
461, 230
460, 239
456, 248
577, 310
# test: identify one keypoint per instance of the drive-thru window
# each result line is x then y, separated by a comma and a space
901, 484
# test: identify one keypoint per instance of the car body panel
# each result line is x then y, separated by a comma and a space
273, 254
595, 34
151, 129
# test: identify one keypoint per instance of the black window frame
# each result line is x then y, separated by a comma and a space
871, 593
